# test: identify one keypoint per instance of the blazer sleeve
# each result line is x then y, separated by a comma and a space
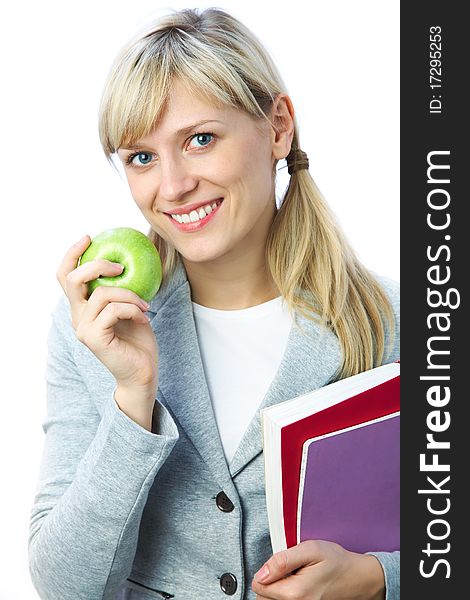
390, 561
95, 475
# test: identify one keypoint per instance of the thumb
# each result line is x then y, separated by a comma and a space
283, 563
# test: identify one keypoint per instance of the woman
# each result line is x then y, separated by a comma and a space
152, 477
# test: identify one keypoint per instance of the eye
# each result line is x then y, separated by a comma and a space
203, 138
139, 159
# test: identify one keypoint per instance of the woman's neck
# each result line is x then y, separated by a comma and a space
230, 287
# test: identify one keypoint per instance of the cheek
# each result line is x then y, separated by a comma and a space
248, 157
252, 172
141, 191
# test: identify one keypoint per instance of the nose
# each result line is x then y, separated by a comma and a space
176, 180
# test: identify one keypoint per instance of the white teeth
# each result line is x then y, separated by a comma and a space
196, 215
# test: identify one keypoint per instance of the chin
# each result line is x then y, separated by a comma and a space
198, 258
201, 255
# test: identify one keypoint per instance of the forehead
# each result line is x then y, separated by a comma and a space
186, 109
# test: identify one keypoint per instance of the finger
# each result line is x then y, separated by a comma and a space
283, 563
104, 295
70, 260
120, 311
102, 331
76, 281
289, 587
260, 597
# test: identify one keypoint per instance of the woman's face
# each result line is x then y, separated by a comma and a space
225, 164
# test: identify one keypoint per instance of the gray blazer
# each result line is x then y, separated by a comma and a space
124, 513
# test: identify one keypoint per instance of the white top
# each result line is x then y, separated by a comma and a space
241, 351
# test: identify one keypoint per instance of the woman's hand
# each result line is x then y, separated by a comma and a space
322, 570
112, 323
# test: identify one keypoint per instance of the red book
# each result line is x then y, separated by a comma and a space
347, 403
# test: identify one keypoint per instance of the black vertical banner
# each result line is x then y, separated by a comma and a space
435, 258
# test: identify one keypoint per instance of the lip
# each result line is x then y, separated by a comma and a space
189, 207
196, 225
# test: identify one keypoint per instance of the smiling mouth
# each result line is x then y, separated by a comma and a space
196, 215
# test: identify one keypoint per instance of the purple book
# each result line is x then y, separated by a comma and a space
350, 487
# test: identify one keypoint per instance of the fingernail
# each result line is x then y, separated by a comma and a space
81, 240
145, 304
118, 266
262, 574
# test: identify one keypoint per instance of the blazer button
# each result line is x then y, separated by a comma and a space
228, 583
224, 503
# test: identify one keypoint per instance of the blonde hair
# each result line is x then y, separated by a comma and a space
310, 261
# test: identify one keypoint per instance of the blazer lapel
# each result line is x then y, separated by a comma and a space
181, 376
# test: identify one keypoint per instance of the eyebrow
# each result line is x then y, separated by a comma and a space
180, 132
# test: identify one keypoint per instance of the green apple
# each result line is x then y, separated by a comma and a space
142, 265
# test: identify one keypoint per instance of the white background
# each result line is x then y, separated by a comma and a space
340, 62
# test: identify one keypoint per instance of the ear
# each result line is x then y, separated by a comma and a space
282, 120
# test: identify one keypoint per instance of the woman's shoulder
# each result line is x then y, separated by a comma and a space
61, 332
61, 313
391, 287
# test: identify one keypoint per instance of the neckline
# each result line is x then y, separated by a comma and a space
251, 311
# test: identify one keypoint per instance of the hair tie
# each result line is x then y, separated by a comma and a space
297, 159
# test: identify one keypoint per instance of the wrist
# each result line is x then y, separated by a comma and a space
136, 403
374, 577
